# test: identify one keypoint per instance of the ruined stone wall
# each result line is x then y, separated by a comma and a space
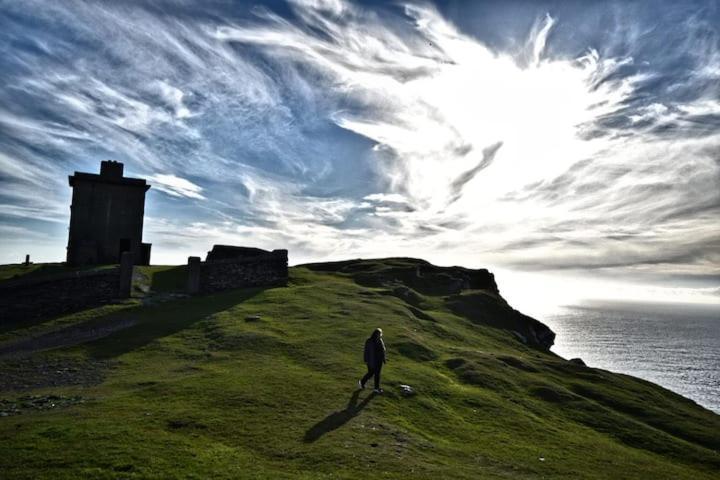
34, 298
269, 269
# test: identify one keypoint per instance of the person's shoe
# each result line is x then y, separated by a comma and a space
360, 385
378, 390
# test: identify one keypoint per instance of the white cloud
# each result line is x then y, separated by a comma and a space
173, 96
653, 111
176, 186
386, 197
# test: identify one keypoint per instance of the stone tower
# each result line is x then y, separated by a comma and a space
106, 217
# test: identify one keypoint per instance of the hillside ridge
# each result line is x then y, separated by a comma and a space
472, 293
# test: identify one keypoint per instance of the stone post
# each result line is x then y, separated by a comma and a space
27, 259
193, 275
126, 274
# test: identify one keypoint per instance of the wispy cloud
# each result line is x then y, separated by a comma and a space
457, 185
337, 129
176, 186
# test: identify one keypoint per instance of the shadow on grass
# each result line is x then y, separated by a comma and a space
166, 319
40, 273
337, 419
171, 280
39, 270
13, 325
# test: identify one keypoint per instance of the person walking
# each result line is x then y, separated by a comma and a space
374, 357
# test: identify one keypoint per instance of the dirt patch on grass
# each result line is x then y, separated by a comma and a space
255, 341
179, 424
454, 363
518, 363
415, 351
31, 373
420, 314
553, 394
66, 337
30, 403
482, 373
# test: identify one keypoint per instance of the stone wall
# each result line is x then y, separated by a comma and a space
267, 269
34, 298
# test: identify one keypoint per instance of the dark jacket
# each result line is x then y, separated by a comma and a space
374, 352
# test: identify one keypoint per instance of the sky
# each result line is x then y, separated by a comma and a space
573, 148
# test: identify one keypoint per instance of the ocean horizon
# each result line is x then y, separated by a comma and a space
676, 346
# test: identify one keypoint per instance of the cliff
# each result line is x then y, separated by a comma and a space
470, 293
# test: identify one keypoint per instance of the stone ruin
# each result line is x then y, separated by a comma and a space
106, 226
227, 267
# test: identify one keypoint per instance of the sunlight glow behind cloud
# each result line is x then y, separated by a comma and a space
338, 131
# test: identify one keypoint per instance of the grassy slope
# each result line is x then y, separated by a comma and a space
196, 391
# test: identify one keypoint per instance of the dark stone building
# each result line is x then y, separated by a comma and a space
231, 252
106, 217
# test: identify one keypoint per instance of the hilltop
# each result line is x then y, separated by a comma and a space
261, 383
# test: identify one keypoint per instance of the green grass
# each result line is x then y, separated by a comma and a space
194, 390
164, 278
37, 270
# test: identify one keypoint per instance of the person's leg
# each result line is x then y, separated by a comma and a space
367, 376
377, 376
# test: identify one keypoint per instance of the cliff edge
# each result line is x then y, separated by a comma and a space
470, 293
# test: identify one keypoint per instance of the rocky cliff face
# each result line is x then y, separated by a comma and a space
485, 310
469, 293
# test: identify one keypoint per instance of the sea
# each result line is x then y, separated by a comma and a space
674, 345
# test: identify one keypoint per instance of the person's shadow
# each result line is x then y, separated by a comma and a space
337, 419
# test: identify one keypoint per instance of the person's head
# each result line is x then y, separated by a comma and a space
377, 333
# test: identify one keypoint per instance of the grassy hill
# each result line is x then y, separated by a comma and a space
202, 388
